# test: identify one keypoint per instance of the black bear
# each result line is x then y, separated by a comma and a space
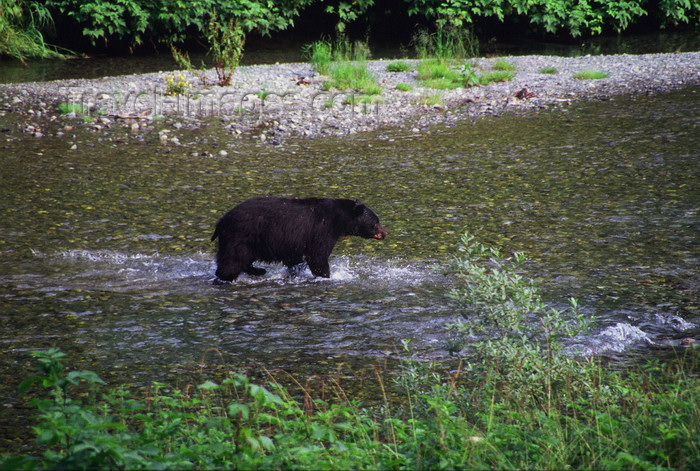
289, 230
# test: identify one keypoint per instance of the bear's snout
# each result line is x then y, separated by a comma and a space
380, 234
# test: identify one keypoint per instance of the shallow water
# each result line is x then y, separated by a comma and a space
105, 250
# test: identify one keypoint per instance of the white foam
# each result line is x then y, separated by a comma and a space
615, 338
676, 322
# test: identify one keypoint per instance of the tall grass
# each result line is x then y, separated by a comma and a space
21, 23
517, 401
345, 63
446, 43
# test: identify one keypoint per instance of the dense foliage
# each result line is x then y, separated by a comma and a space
134, 22
520, 404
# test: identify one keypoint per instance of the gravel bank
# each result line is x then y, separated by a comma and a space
294, 104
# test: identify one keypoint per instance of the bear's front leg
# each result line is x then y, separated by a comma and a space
320, 267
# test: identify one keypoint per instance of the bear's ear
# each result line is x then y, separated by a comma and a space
359, 208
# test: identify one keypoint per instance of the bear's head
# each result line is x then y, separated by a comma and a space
366, 223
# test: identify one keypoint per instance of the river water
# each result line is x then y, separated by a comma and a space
105, 250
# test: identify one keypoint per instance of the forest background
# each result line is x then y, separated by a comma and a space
41, 29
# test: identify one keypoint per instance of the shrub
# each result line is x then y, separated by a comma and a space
225, 48
514, 328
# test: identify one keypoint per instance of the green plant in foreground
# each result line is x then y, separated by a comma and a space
517, 330
404, 87
549, 70
590, 75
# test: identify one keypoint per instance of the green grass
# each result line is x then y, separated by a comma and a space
345, 64
431, 99
446, 43
68, 108
590, 75
404, 87
320, 56
504, 66
399, 66
354, 76
439, 74
549, 70
21, 26
498, 76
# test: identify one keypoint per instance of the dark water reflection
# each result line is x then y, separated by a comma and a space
105, 251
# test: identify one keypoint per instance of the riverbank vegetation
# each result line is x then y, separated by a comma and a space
27, 25
516, 399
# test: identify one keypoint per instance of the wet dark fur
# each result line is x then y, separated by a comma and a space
289, 230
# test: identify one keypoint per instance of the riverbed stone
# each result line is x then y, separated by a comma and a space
302, 108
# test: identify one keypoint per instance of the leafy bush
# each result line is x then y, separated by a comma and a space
506, 323
225, 48
167, 21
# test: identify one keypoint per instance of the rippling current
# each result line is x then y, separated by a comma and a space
105, 250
